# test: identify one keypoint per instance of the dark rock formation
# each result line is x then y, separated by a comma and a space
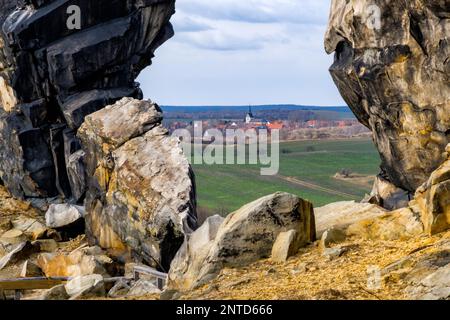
52, 76
392, 67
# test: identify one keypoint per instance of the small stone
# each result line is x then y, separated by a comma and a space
120, 288
60, 215
30, 227
47, 245
142, 288
168, 294
29, 270
5, 225
86, 286
333, 253
300, 268
271, 271
13, 234
332, 236
285, 246
18, 251
56, 293
77, 263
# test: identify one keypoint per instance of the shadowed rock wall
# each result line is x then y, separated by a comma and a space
51, 77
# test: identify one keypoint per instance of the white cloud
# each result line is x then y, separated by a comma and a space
231, 24
244, 52
258, 11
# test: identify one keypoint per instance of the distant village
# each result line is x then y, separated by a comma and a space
307, 125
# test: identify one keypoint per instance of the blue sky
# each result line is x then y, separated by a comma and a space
228, 52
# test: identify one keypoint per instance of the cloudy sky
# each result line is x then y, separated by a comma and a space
228, 52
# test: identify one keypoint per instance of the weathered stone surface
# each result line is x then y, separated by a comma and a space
51, 77
87, 286
56, 293
76, 175
17, 253
12, 237
193, 254
142, 288
338, 221
120, 288
61, 215
46, 245
432, 199
245, 236
141, 192
394, 75
388, 195
30, 227
82, 262
332, 236
285, 246
396, 225
343, 214
30, 269
333, 253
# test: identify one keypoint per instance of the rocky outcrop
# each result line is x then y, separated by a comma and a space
396, 225
432, 199
340, 215
245, 236
392, 68
53, 75
339, 221
141, 191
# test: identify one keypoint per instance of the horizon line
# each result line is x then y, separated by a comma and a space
254, 105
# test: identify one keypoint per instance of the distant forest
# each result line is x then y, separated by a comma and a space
269, 112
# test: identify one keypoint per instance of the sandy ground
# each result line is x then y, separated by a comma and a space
309, 275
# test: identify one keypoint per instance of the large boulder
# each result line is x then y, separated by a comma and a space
245, 236
141, 193
392, 68
52, 76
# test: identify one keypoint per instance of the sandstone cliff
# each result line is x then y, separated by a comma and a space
392, 67
52, 76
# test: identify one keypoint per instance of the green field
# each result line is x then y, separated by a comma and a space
307, 169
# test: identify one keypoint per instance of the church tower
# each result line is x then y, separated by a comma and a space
249, 117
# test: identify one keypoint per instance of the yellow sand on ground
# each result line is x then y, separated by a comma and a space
344, 278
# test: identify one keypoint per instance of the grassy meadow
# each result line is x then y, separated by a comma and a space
307, 169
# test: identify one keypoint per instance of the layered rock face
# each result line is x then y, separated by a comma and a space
52, 76
141, 191
392, 68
